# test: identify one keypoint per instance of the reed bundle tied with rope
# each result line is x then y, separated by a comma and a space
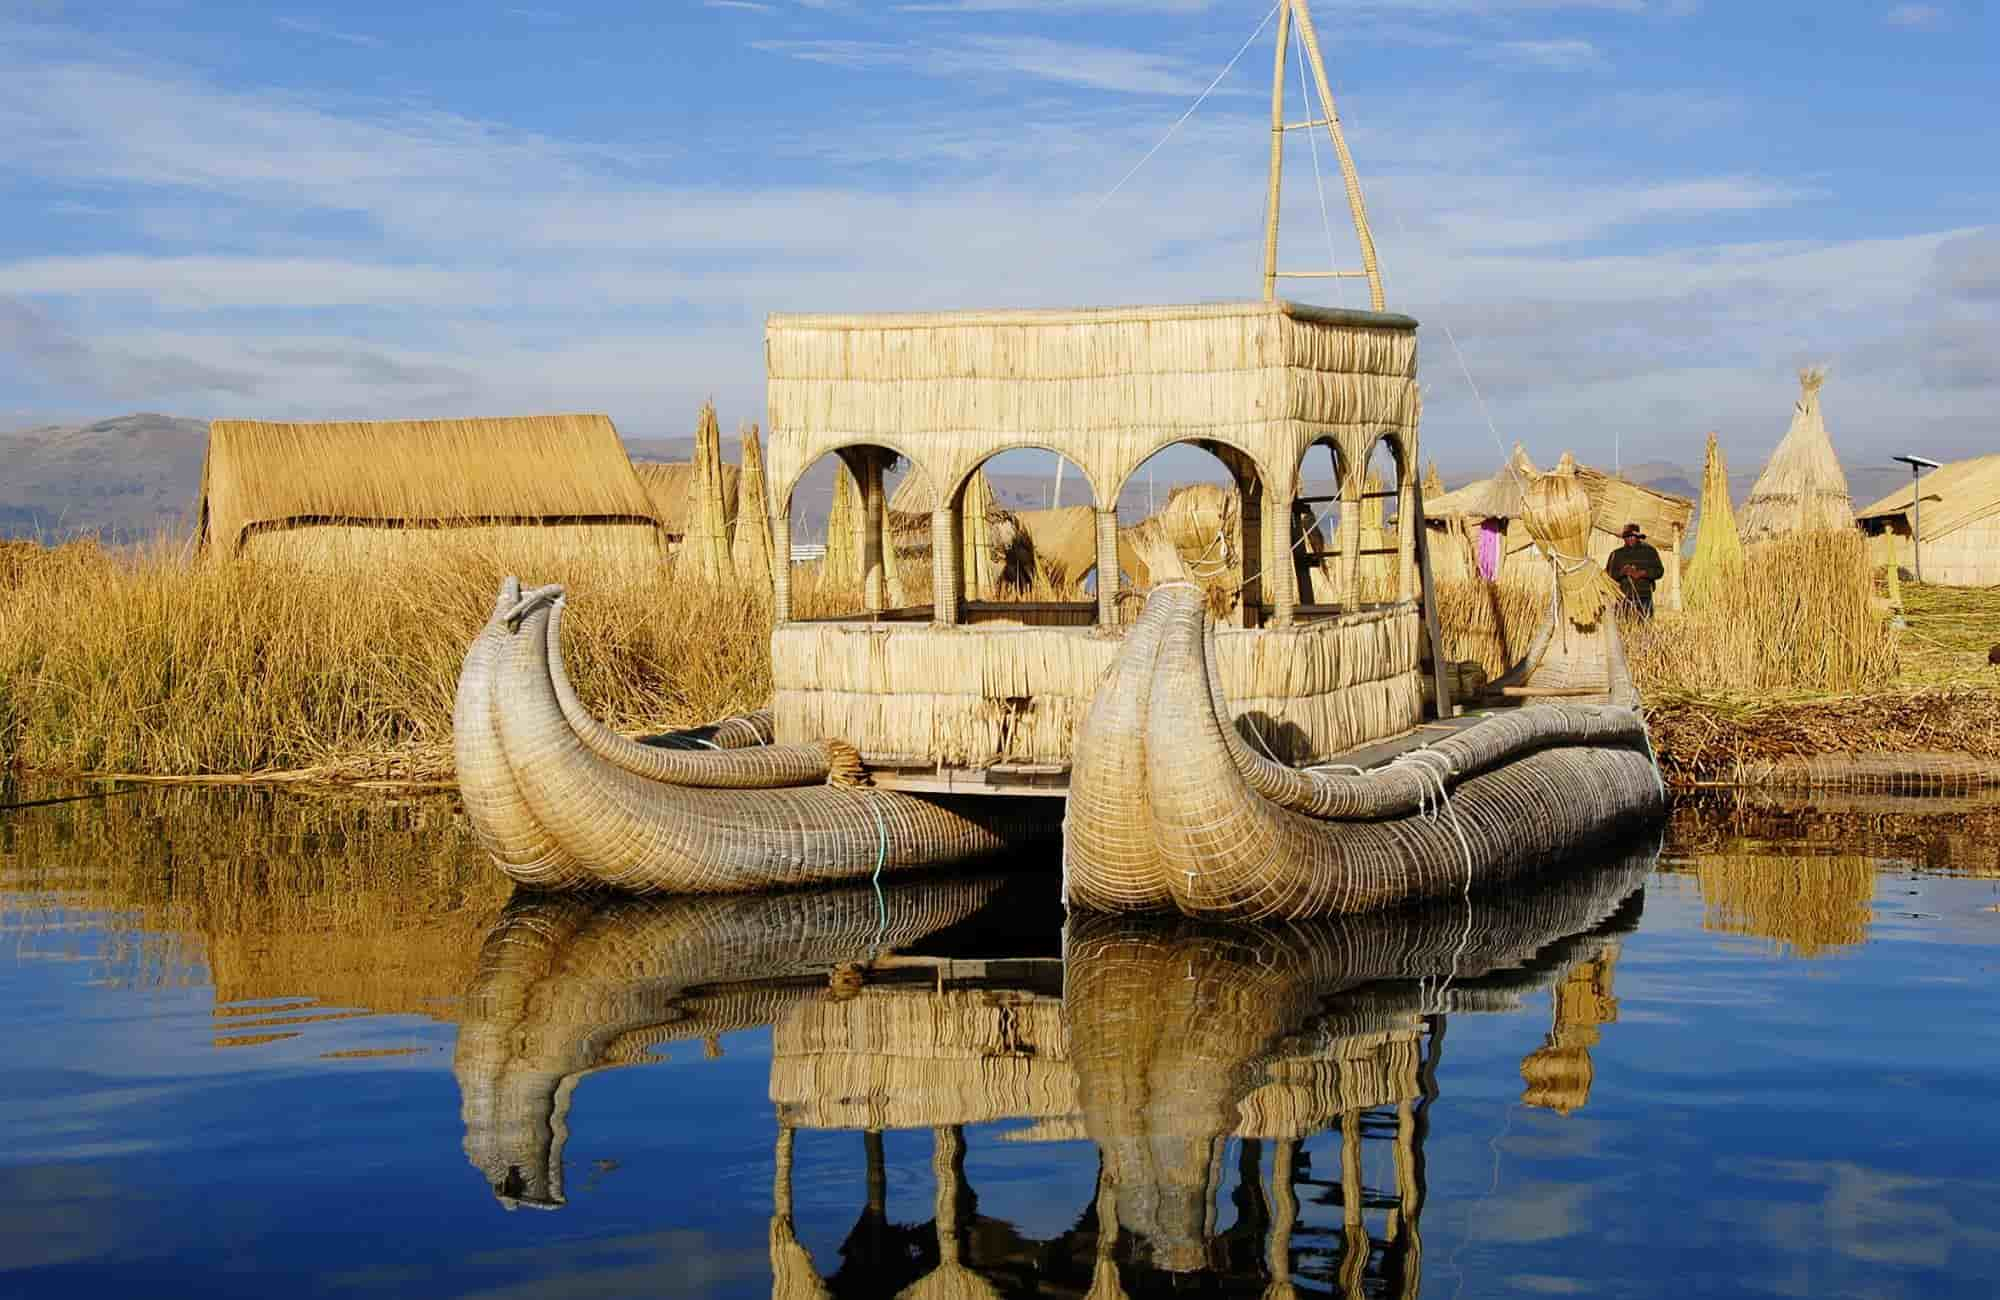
1558, 512
750, 549
1717, 565
704, 550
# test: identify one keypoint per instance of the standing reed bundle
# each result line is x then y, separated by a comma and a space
840, 571
1718, 547
1433, 482
1802, 489
1801, 619
1558, 512
705, 551
978, 561
751, 550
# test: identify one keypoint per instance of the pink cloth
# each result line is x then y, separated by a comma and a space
1492, 533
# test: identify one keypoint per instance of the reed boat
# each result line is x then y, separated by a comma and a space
1311, 751
1172, 1046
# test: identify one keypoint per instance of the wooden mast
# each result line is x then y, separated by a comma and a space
1290, 11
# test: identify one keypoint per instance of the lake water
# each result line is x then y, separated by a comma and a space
264, 1044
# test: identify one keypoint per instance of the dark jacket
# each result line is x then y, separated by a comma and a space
1649, 564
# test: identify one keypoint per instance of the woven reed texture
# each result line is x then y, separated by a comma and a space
1184, 1033
750, 547
704, 551
554, 812
1803, 487
1558, 511
261, 476
1718, 546
568, 985
1900, 772
972, 697
1103, 388
1170, 808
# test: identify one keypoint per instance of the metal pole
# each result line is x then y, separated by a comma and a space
1917, 518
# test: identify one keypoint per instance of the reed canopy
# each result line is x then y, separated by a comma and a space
1958, 508
365, 491
1803, 488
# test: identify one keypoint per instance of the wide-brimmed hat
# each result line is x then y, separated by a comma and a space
1631, 530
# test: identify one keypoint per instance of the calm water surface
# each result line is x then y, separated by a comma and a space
262, 1044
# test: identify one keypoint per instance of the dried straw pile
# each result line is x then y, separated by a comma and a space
1887, 741
1802, 489
750, 551
704, 552
358, 494
1718, 546
972, 697
1558, 511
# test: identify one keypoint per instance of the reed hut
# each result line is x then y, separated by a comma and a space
1958, 507
667, 483
1802, 489
1718, 545
365, 493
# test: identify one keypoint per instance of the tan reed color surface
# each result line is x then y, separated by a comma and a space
704, 552
1559, 1073
1558, 512
1808, 905
1803, 488
667, 486
750, 552
840, 570
1718, 559
1800, 619
263, 478
148, 663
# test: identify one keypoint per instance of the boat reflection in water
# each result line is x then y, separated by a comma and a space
1159, 1040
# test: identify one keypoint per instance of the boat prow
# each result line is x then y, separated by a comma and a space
1177, 811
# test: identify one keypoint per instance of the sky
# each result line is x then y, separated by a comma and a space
1624, 222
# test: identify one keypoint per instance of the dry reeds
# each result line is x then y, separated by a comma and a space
1800, 619
1718, 547
152, 665
314, 493
1802, 489
751, 550
1558, 513
1491, 624
704, 552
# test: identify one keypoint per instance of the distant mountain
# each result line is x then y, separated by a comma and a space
119, 479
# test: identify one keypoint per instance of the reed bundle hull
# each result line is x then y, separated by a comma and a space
561, 802
1172, 809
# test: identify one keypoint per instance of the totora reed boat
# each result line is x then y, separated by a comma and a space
1301, 756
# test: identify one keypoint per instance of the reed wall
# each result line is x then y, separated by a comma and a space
974, 697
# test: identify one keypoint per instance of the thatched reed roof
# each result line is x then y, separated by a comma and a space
666, 483
414, 474
1954, 495
1498, 497
1104, 388
1802, 488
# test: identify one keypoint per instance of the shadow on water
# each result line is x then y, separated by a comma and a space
1166, 1043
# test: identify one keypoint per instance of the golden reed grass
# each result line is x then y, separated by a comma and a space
152, 664
1800, 620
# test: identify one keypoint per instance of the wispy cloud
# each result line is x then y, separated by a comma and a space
1923, 16
1566, 53
314, 27
1091, 67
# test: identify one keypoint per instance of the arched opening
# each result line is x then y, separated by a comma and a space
1026, 541
1352, 547
1194, 511
843, 549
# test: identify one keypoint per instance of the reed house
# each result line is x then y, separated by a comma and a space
528, 488
948, 683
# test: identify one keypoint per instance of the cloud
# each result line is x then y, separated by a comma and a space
1566, 53
314, 27
211, 282
1089, 67
1914, 16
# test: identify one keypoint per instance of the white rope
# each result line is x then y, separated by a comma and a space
1421, 761
1182, 119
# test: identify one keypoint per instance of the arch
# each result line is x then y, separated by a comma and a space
963, 473
813, 455
1035, 570
1315, 564
1255, 539
862, 466
1138, 462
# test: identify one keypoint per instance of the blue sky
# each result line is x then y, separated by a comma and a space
1636, 217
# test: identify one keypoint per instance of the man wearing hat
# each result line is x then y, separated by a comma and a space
1636, 567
